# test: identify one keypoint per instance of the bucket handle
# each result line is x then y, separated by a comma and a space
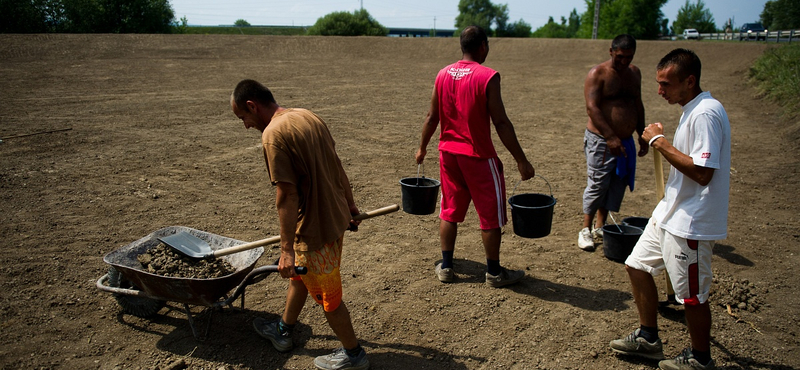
419, 167
520, 181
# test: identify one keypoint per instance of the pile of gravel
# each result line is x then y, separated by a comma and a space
165, 261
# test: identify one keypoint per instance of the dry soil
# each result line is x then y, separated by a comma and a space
107, 138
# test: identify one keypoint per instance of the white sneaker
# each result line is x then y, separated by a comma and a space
445, 275
585, 240
597, 233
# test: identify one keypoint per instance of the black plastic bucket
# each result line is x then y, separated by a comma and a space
640, 222
419, 195
618, 245
532, 214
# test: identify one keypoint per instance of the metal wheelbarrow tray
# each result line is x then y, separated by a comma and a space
202, 292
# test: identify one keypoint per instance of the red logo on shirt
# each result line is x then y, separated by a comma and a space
705, 155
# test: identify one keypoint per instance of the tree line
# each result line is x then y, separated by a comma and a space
642, 19
86, 16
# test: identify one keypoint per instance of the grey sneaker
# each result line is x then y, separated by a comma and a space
685, 361
340, 360
506, 277
445, 275
635, 345
269, 330
585, 240
597, 233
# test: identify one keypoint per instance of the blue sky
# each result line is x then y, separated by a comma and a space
440, 14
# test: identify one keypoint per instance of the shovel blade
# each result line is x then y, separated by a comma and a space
188, 244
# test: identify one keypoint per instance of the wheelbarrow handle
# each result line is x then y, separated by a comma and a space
277, 239
299, 270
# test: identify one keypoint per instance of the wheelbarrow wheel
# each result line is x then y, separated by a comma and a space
136, 306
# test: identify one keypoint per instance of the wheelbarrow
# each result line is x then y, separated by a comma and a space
143, 294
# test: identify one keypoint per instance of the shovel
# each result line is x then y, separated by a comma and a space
195, 247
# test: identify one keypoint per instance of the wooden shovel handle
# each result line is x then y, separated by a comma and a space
659, 172
247, 246
376, 212
277, 239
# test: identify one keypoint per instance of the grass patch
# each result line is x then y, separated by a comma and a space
776, 75
250, 30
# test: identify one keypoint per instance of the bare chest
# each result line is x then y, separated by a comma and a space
621, 86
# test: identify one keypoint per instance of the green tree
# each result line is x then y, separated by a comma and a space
86, 16
638, 18
83, 16
567, 28
694, 16
781, 15
665, 29
480, 13
131, 16
574, 23
485, 14
519, 28
32, 16
182, 26
358, 23
552, 29
504, 29
241, 23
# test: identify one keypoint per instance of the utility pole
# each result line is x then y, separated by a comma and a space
596, 18
362, 5
434, 26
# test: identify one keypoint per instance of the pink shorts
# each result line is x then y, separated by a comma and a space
479, 180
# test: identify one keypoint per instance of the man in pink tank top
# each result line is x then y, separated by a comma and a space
466, 100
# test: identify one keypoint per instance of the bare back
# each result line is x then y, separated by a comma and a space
613, 99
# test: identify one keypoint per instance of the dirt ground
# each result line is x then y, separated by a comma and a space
144, 139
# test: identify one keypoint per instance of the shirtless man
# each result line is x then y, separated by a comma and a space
613, 93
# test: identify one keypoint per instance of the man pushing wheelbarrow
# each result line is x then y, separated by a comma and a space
315, 207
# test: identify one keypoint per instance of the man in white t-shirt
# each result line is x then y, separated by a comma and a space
685, 224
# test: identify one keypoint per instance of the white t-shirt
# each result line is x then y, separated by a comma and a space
689, 210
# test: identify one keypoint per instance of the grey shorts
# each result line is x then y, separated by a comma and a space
604, 189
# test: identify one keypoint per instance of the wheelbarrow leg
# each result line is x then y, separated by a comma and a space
192, 326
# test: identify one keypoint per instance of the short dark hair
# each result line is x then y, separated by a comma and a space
624, 42
251, 90
472, 38
685, 61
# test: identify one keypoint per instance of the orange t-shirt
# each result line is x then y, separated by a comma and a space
299, 150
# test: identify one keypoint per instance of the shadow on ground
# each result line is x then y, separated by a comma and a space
588, 299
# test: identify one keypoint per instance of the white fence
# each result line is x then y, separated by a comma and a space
770, 36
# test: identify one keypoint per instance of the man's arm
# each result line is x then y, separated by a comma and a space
593, 94
679, 160
348, 194
428, 127
505, 129
287, 201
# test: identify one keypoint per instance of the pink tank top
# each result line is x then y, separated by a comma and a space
464, 111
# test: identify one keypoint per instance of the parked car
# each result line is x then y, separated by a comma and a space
691, 33
752, 31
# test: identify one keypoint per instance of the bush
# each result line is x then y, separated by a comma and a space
358, 23
777, 76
